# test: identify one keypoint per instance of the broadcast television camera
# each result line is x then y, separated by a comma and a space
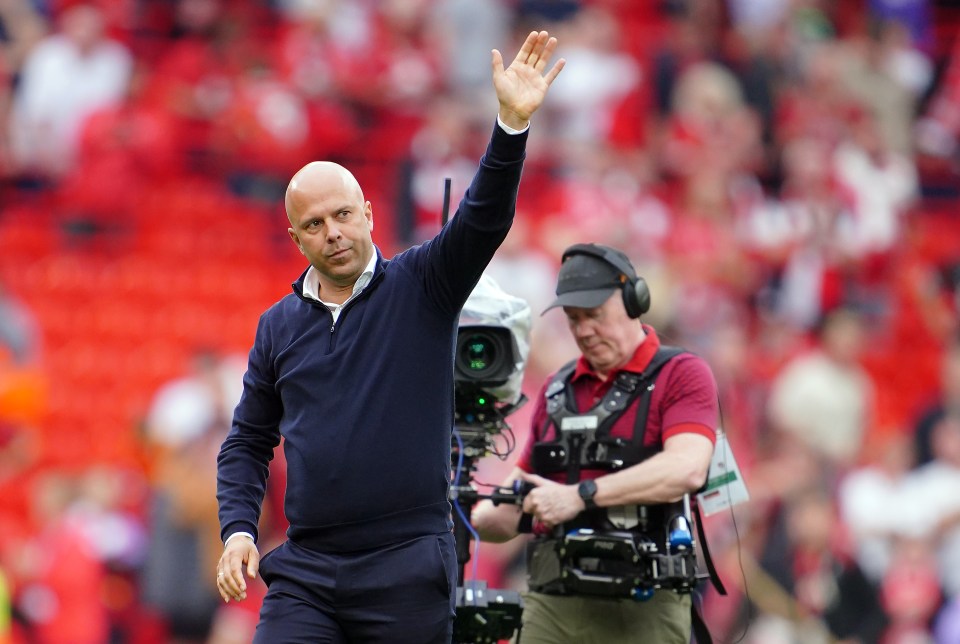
486, 357
489, 357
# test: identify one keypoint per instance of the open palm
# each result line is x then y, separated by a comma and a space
522, 86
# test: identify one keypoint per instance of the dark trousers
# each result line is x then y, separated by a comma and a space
397, 594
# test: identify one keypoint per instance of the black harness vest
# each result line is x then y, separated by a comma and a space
583, 439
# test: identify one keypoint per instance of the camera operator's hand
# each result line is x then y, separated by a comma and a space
239, 551
551, 503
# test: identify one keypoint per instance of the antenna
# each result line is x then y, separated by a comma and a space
446, 202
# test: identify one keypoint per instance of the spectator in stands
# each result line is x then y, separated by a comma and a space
932, 508
823, 399
815, 102
66, 77
869, 498
694, 35
441, 148
465, 28
61, 580
19, 330
910, 589
938, 127
947, 404
194, 81
805, 236
184, 408
870, 71
123, 150
814, 586
187, 420
204, 109
21, 27
881, 181
601, 74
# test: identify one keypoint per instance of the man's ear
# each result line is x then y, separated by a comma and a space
296, 240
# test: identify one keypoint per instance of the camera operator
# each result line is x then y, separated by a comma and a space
354, 369
648, 466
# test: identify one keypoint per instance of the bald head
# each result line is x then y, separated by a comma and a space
331, 224
315, 180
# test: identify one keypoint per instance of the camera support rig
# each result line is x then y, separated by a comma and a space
488, 363
484, 615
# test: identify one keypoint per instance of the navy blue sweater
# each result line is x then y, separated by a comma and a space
365, 406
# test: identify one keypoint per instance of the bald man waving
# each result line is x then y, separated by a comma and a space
354, 369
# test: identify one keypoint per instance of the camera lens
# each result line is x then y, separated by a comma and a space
484, 355
479, 353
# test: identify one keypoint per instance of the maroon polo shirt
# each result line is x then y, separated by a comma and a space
684, 400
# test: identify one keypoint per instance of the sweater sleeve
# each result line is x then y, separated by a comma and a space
245, 455
453, 261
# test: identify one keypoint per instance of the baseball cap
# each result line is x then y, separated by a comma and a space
587, 281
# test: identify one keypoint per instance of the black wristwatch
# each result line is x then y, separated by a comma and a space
587, 490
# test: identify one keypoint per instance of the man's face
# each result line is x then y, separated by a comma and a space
606, 335
332, 226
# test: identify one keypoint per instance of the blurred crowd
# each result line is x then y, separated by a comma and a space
784, 174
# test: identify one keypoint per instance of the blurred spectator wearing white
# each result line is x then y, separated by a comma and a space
823, 398
932, 508
599, 74
883, 183
184, 408
869, 499
67, 76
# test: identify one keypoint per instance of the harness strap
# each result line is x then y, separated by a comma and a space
701, 634
664, 355
707, 559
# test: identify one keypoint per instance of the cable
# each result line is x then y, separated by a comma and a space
456, 505
509, 440
736, 532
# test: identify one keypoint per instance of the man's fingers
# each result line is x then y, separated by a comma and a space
527, 49
230, 581
228, 587
554, 71
497, 62
221, 587
541, 50
548, 50
253, 565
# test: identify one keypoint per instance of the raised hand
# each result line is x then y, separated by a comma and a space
522, 86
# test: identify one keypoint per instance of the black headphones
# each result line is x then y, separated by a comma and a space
636, 295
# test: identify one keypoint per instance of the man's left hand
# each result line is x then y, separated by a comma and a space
551, 503
522, 86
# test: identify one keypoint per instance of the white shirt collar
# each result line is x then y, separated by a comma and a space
311, 282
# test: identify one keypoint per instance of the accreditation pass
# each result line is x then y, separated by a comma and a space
724, 487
